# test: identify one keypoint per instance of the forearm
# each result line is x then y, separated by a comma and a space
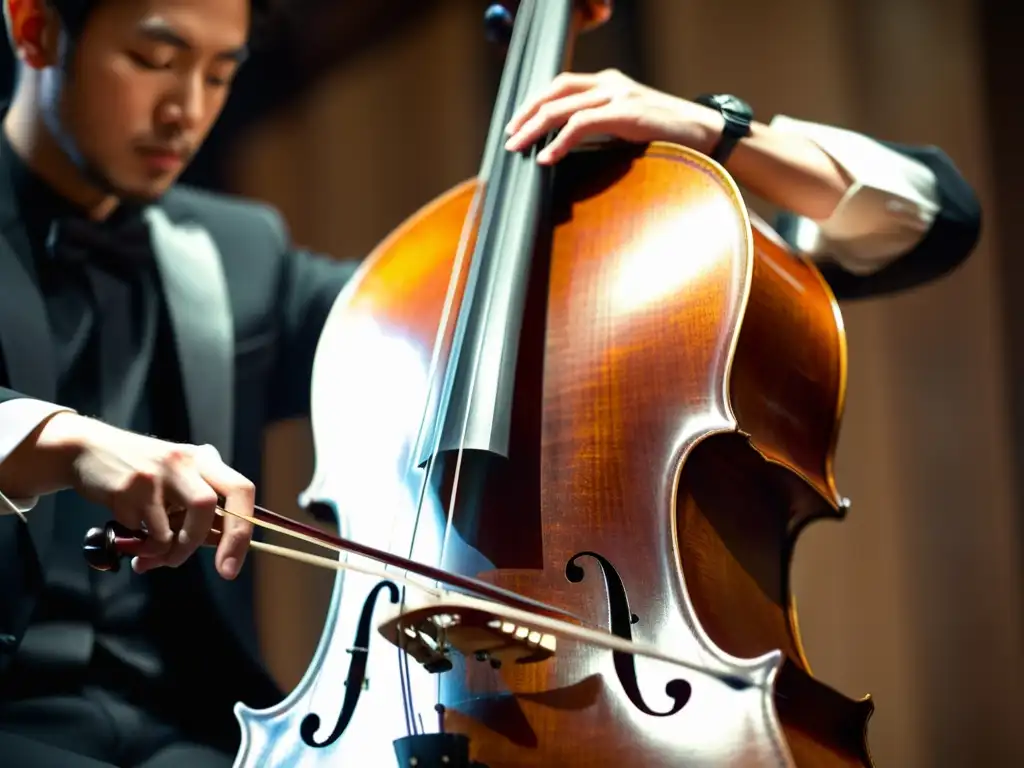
790, 171
36, 449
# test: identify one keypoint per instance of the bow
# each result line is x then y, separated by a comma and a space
121, 247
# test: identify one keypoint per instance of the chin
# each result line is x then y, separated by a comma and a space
140, 194
132, 188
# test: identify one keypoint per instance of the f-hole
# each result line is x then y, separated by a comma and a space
621, 621
356, 673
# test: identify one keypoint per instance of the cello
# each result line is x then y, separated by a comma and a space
581, 416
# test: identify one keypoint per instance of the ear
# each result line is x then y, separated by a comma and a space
34, 31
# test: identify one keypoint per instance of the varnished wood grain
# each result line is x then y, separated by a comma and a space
661, 332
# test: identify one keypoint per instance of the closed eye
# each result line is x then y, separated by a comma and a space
147, 63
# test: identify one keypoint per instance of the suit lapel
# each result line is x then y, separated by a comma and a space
199, 308
200, 312
27, 348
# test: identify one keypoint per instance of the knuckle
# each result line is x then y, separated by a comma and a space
164, 539
176, 455
247, 488
578, 120
203, 498
142, 480
208, 451
175, 461
202, 502
158, 541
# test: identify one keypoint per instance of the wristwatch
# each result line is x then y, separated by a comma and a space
738, 117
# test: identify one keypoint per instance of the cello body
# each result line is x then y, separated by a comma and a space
679, 386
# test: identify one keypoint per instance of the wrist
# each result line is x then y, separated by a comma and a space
57, 444
43, 462
737, 117
712, 126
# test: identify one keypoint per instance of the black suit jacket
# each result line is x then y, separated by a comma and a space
246, 310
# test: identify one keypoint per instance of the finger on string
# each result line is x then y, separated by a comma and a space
565, 84
592, 122
239, 497
554, 115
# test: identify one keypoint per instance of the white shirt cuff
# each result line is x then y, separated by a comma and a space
18, 419
888, 209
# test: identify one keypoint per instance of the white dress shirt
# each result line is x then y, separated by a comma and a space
887, 210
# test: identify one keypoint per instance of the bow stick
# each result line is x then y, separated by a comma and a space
104, 547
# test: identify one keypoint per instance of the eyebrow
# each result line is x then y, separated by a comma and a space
159, 31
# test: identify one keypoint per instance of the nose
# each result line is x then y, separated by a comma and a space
185, 107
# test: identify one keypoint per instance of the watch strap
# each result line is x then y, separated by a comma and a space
738, 117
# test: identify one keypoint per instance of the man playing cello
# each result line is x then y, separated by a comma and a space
150, 332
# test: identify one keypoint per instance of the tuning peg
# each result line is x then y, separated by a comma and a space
498, 22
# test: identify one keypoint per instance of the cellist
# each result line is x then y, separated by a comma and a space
222, 316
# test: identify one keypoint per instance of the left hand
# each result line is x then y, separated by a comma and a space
609, 103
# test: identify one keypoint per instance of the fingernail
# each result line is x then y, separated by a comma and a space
230, 567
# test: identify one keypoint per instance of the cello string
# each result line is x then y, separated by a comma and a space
544, 28
506, 163
529, 18
404, 672
449, 302
406, 686
491, 239
491, 178
496, 183
486, 179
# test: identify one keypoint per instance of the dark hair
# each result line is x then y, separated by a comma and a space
74, 13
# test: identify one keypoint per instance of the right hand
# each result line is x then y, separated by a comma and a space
143, 479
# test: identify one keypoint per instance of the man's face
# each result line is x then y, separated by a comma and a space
146, 82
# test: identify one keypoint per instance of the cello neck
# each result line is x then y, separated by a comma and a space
542, 38
475, 399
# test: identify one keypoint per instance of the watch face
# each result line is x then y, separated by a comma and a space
737, 106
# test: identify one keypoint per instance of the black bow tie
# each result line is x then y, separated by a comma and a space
122, 247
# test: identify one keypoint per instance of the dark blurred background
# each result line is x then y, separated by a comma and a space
360, 111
